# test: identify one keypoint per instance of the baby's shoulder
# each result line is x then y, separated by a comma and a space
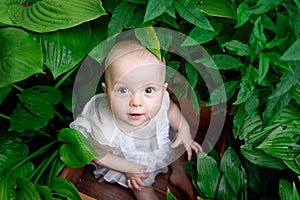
97, 103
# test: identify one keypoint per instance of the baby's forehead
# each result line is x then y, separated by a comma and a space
129, 49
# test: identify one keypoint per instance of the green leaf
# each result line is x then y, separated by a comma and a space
274, 58
76, 150
247, 85
242, 15
238, 47
67, 98
51, 15
64, 49
292, 54
295, 194
26, 190
65, 188
258, 36
260, 158
281, 96
4, 92
171, 11
263, 67
198, 36
156, 8
285, 190
287, 81
4, 5
256, 178
208, 175
218, 8
218, 95
225, 62
11, 173
148, 37
297, 93
170, 196
22, 120
281, 143
234, 171
45, 192
252, 104
119, 18
16, 61
168, 20
263, 6
292, 164
192, 74
192, 14
189, 167
40, 100
225, 191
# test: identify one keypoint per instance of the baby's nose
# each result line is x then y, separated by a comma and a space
135, 100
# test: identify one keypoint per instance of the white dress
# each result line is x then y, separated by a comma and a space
148, 146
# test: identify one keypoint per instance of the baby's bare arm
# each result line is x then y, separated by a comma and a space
179, 123
133, 171
118, 163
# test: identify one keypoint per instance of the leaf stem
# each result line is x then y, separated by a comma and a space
4, 116
44, 133
44, 166
18, 87
65, 77
38, 152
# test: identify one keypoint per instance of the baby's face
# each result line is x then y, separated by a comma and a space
135, 88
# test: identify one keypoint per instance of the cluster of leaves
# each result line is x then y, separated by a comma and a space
250, 173
226, 178
253, 44
32, 152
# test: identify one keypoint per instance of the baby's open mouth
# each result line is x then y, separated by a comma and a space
135, 115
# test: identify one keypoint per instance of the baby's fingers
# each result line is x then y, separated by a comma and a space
136, 184
176, 143
196, 147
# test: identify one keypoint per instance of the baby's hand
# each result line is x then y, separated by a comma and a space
134, 178
188, 143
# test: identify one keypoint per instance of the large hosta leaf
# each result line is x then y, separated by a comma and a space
37, 108
76, 150
25, 190
234, 171
40, 100
260, 158
281, 143
208, 175
22, 120
65, 188
64, 49
16, 61
220, 8
11, 154
52, 15
225, 191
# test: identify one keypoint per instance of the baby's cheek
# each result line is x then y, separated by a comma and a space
153, 110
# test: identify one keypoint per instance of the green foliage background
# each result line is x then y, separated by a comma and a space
254, 44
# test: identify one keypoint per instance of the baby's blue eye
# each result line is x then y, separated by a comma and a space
123, 90
149, 90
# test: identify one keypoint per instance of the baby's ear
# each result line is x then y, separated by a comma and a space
166, 86
103, 86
